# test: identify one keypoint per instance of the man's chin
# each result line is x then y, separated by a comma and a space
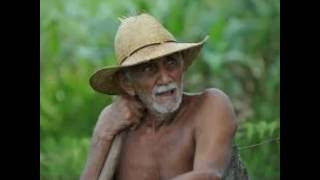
162, 105
167, 107
164, 109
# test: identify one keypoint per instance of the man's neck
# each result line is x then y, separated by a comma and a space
155, 119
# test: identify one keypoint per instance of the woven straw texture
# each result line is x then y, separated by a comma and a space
140, 39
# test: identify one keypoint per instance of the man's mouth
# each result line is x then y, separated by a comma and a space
169, 92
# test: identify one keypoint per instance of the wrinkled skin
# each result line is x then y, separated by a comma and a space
191, 142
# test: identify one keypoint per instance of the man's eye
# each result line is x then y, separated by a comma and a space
148, 68
172, 62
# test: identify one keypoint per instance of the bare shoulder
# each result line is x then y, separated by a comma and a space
216, 109
212, 98
103, 114
216, 97
104, 111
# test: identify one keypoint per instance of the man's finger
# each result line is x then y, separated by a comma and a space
134, 126
127, 96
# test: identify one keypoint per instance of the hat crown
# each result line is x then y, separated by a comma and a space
137, 32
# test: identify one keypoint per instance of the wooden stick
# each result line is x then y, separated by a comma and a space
112, 160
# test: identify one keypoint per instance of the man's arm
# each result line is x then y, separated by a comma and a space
98, 152
214, 133
126, 111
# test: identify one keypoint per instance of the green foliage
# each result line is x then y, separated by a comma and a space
242, 58
59, 158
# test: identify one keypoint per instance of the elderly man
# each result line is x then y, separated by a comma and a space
170, 134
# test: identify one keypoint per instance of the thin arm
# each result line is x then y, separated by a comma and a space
214, 133
99, 149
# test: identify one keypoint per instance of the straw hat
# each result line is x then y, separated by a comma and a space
140, 39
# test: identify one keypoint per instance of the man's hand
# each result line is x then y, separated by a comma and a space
125, 112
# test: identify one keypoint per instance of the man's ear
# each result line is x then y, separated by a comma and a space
125, 84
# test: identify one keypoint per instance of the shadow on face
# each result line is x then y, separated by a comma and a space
158, 83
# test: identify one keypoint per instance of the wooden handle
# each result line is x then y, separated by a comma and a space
112, 160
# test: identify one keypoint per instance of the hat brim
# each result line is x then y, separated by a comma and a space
104, 81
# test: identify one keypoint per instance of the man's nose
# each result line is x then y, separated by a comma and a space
164, 77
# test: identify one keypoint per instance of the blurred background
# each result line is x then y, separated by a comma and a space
242, 58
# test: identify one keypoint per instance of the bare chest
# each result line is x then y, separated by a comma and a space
156, 155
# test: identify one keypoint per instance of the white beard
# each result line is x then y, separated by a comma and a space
168, 107
162, 108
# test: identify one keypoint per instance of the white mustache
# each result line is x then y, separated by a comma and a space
164, 88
